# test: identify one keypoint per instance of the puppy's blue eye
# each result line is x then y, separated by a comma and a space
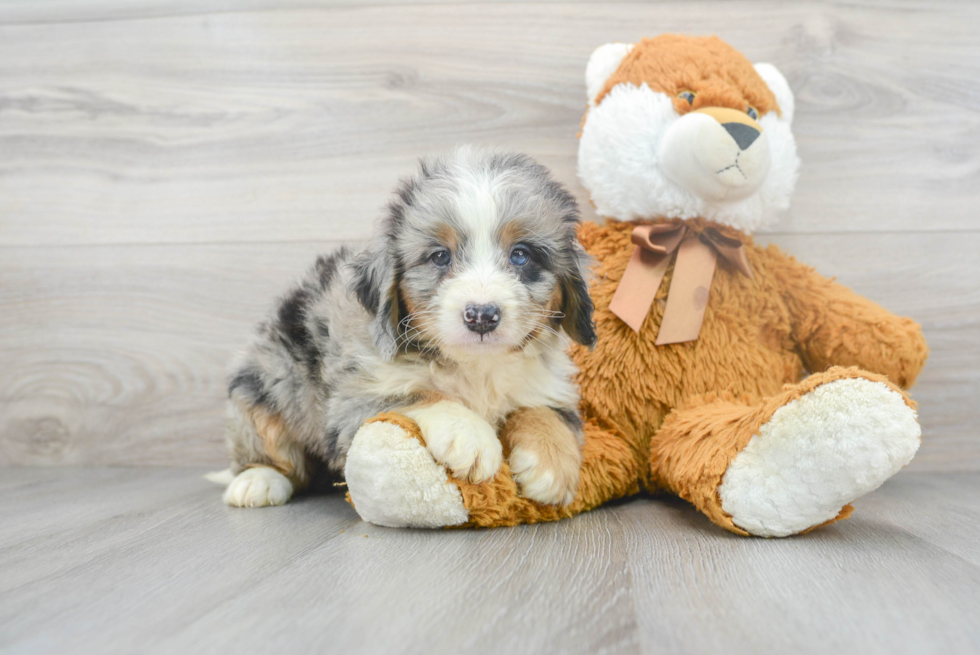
440, 258
519, 256
753, 114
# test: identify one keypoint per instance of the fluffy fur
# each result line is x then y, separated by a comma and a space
394, 328
539, 440
732, 421
641, 146
416, 491
816, 454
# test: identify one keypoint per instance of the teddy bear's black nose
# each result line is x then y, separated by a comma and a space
744, 135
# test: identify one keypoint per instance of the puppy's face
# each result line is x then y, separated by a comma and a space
485, 258
479, 274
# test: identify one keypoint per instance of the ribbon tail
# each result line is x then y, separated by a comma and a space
689, 289
737, 258
638, 287
730, 249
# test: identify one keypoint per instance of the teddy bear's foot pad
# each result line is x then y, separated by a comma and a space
394, 481
817, 454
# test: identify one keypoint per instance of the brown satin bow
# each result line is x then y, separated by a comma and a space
697, 255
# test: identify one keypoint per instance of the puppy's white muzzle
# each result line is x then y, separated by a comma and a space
481, 308
717, 154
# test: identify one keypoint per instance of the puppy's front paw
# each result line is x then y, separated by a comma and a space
259, 486
460, 439
547, 476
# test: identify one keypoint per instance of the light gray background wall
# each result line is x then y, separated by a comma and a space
167, 167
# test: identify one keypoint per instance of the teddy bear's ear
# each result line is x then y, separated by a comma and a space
780, 88
602, 64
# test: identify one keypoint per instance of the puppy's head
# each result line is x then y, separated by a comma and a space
478, 256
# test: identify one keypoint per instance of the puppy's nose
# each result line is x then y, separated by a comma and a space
744, 135
482, 318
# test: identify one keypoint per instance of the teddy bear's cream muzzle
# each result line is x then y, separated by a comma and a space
716, 153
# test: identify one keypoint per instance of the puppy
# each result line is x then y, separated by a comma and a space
456, 316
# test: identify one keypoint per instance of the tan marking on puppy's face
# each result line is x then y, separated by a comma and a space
414, 323
544, 455
445, 234
512, 233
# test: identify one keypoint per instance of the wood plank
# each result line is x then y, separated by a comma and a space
184, 574
17, 12
117, 355
867, 585
910, 502
145, 541
181, 125
149, 560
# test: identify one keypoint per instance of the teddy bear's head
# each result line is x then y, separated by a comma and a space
686, 127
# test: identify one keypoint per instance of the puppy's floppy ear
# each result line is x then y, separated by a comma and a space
576, 303
375, 284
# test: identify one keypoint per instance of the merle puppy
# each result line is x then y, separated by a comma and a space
456, 316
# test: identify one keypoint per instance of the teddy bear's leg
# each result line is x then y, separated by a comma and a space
793, 461
393, 480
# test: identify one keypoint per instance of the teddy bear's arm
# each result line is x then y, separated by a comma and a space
833, 326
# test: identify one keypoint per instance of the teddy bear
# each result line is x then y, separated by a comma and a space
727, 373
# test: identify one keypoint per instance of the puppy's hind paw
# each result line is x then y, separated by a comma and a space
259, 486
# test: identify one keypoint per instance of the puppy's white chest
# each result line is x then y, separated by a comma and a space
494, 389
492, 386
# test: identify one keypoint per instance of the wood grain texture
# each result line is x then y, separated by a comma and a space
260, 125
149, 560
167, 166
118, 355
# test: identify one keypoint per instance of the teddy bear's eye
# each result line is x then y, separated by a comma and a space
753, 114
687, 95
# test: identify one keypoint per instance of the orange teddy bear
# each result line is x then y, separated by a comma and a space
698, 384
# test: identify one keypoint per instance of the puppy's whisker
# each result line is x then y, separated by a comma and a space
415, 334
433, 346
548, 329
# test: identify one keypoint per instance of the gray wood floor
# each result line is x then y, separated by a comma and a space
149, 561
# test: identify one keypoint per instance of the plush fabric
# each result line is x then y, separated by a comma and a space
396, 483
758, 335
790, 403
672, 63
